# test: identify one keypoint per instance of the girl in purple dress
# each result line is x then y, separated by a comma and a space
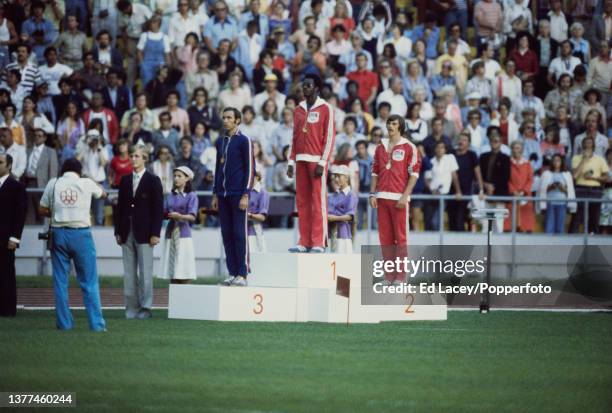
180, 208
342, 204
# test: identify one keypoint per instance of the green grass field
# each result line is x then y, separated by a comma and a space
502, 362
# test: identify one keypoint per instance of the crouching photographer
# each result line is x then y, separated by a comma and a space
67, 201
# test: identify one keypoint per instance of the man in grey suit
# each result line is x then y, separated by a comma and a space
42, 165
140, 210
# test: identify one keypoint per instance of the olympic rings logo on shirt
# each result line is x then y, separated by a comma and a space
69, 197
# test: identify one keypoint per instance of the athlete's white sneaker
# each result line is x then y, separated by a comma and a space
385, 283
317, 250
396, 283
298, 248
228, 281
239, 281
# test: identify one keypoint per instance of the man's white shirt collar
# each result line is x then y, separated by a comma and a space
3, 179
346, 190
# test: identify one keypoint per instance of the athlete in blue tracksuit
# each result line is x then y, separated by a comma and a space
234, 174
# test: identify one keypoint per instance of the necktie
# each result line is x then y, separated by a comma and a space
34, 162
135, 184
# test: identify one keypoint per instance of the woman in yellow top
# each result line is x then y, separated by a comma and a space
590, 172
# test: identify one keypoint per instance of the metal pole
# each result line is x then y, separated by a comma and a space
586, 222
484, 303
441, 217
369, 213
513, 266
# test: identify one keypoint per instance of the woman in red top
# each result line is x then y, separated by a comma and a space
520, 184
120, 164
527, 66
341, 17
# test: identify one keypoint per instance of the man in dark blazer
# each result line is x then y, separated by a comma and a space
495, 169
14, 204
116, 97
137, 230
103, 47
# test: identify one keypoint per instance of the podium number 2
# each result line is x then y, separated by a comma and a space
333, 265
258, 304
410, 299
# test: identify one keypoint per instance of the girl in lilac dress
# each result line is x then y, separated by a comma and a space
180, 208
259, 202
342, 205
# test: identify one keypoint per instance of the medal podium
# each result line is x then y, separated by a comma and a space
288, 287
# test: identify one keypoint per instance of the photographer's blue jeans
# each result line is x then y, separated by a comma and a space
75, 244
555, 218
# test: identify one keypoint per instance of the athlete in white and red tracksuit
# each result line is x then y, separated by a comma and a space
395, 170
313, 140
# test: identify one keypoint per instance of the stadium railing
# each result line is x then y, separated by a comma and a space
442, 202
371, 236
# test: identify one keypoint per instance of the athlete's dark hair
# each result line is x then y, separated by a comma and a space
400, 119
316, 79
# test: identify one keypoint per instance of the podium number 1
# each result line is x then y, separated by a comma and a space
258, 304
333, 265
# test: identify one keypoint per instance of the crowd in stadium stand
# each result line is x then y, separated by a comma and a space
502, 97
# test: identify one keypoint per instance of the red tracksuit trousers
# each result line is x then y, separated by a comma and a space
392, 233
311, 201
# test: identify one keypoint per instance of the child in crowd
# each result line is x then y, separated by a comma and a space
341, 210
180, 207
259, 200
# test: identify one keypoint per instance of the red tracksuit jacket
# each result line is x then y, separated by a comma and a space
393, 174
313, 133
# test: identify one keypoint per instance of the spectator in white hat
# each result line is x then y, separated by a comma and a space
94, 160
180, 208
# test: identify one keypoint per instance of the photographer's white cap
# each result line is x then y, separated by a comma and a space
186, 170
93, 133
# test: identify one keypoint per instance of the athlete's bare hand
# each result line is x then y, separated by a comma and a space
373, 202
244, 202
402, 203
319, 171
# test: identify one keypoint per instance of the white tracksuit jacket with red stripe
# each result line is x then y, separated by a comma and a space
313, 133
394, 167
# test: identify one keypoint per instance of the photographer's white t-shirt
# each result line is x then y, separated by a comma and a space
71, 201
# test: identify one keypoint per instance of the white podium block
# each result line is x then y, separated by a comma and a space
303, 270
324, 305
208, 302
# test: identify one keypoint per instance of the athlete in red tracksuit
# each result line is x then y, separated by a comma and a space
313, 140
395, 171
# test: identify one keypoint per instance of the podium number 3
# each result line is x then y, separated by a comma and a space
258, 304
